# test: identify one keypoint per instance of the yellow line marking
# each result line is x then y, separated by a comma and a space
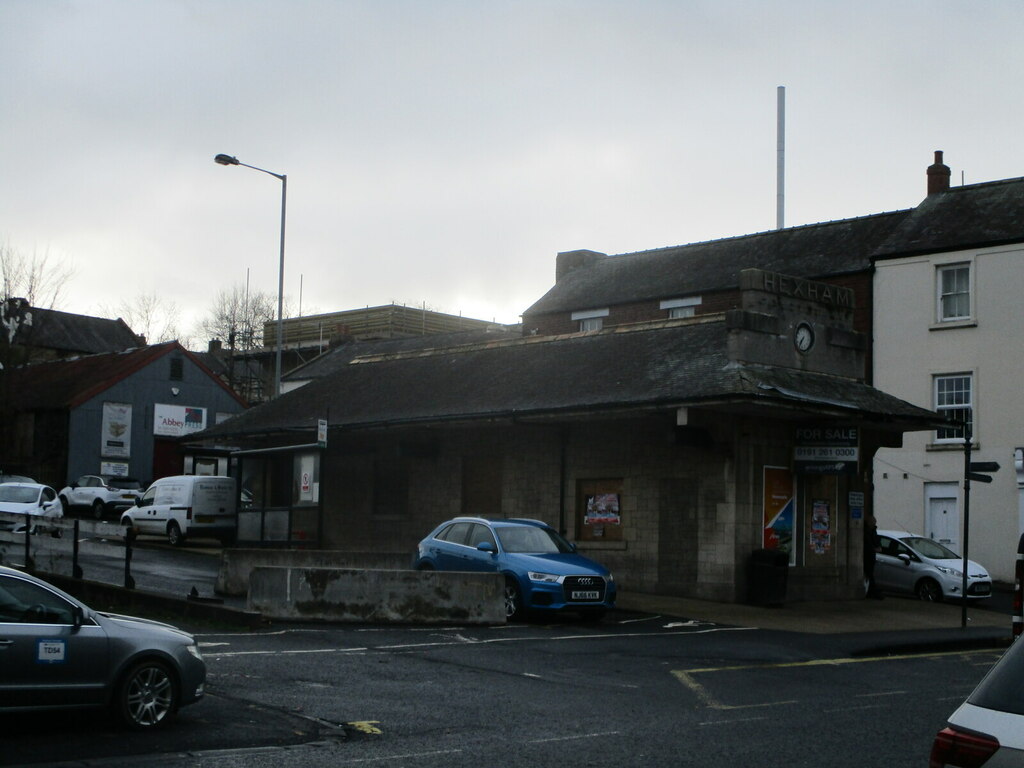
686, 676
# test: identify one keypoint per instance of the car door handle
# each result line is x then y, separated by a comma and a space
5, 643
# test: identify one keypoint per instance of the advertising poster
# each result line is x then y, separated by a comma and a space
116, 431
602, 509
779, 509
177, 420
820, 529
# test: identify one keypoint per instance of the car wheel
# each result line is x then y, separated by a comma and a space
97, 510
513, 600
929, 589
174, 535
147, 696
57, 532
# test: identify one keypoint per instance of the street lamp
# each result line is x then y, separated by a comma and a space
229, 160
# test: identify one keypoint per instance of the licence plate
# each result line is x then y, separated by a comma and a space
983, 589
589, 595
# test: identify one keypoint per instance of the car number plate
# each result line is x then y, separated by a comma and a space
588, 595
982, 589
204, 518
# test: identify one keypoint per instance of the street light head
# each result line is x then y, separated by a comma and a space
226, 160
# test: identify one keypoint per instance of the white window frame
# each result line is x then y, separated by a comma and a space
677, 308
966, 404
941, 296
590, 319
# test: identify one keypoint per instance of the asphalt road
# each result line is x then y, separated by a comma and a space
634, 690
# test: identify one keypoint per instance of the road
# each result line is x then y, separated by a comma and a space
636, 689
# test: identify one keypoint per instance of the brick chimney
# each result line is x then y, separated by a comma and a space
938, 175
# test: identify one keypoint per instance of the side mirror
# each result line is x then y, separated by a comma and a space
77, 617
486, 546
905, 558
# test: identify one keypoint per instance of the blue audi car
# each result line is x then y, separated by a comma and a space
543, 571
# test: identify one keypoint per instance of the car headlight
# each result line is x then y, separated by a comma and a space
545, 578
194, 650
951, 572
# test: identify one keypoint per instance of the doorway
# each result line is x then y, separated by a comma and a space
942, 515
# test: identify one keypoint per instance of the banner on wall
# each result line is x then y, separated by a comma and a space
177, 420
779, 509
116, 431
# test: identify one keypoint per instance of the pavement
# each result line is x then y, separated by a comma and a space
863, 627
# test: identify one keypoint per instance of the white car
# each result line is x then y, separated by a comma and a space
921, 566
39, 501
988, 728
101, 494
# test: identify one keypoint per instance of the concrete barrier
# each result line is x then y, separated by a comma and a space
237, 564
377, 596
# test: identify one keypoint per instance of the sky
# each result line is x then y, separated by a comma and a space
442, 152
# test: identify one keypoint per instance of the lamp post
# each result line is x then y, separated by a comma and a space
229, 160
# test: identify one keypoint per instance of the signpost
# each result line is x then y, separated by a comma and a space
973, 470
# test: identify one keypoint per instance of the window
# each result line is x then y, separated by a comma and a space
681, 307
954, 292
591, 319
22, 602
177, 369
954, 399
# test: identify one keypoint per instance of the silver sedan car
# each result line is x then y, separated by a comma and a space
57, 653
921, 566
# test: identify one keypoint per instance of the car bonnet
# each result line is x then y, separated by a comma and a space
556, 563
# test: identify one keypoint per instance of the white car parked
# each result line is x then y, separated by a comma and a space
39, 501
101, 494
988, 728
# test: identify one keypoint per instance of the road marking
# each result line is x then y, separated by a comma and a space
366, 726
575, 738
686, 676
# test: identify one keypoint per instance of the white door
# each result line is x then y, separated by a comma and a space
944, 521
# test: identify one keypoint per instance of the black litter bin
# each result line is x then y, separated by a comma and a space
766, 577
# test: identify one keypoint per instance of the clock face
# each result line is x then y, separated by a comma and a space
803, 338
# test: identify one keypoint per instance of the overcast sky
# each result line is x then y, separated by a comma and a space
444, 152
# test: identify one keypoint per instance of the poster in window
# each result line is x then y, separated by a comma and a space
116, 431
821, 527
602, 509
779, 509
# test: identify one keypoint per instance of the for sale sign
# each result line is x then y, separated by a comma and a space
826, 450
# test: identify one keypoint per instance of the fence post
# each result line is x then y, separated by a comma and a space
76, 569
129, 537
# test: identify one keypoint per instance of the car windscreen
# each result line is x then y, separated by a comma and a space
529, 539
18, 494
1001, 689
931, 548
123, 483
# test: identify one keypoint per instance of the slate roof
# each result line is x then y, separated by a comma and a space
81, 334
971, 216
341, 355
68, 383
661, 365
813, 251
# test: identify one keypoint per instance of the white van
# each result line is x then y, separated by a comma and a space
186, 506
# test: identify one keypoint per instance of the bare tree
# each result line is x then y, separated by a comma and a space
38, 279
237, 317
151, 315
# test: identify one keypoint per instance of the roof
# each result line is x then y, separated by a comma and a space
814, 251
659, 365
81, 334
341, 355
972, 216
70, 382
